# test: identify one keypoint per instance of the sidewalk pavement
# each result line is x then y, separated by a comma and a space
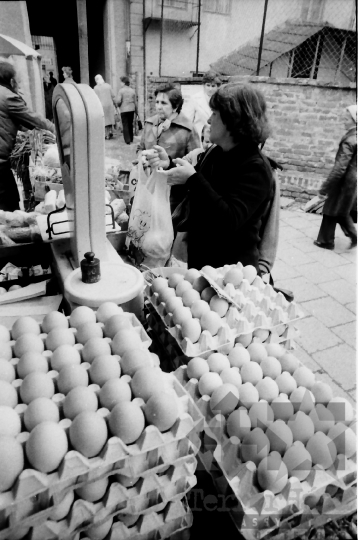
323, 283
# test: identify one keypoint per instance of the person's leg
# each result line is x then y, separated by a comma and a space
125, 124
9, 194
130, 125
348, 227
106, 131
325, 238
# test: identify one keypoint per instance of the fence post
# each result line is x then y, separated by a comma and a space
198, 38
262, 38
161, 39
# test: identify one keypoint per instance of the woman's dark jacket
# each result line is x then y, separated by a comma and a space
341, 184
227, 200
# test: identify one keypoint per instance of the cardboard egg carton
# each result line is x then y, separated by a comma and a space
174, 517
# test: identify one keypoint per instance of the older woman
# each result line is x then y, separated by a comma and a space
170, 129
106, 97
230, 188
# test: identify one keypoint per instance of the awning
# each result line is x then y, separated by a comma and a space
10, 46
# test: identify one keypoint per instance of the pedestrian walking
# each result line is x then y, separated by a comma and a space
48, 91
53, 81
127, 103
340, 188
106, 97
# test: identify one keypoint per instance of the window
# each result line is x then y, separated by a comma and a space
217, 6
181, 4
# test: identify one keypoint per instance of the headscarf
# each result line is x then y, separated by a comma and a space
99, 79
353, 112
165, 124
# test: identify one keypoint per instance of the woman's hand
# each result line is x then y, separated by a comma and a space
157, 157
181, 173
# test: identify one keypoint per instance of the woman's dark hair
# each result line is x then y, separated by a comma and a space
7, 72
212, 77
125, 80
243, 111
173, 93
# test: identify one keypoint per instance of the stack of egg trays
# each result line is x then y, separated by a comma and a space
152, 453
236, 324
258, 513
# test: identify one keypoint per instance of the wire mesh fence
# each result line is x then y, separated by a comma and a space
314, 39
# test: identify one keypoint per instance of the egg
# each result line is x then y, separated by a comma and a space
53, 320
65, 355
251, 372
344, 439
70, 377
298, 461
200, 284
244, 339
99, 532
249, 273
198, 308
289, 362
114, 391
88, 433
31, 362
8, 394
158, 284
261, 415
174, 279
126, 421
35, 385
6, 351
219, 305
233, 276
81, 315
208, 383
275, 349
28, 343
248, 395
280, 436
255, 446
322, 418
322, 392
196, 368
25, 325
189, 297
104, 368
323, 451
224, 399
217, 362
12, 461
95, 347
302, 400
304, 377
173, 303
183, 286
191, 330
14, 288
125, 340
59, 336
60, 510
4, 334
238, 423
87, 331
147, 381
267, 389
41, 409
106, 311
271, 367
135, 359
238, 356
301, 426
166, 294
79, 399
162, 411
211, 322
210, 271
286, 383
341, 409
181, 314
232, 376
207, 294
272, 473
282, 408
257, 352
93, 491
7, 371
46, 446
10, 423
192, 275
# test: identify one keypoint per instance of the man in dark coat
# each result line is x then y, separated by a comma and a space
340, 188
14, 114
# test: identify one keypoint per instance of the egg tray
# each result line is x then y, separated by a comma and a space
175, 517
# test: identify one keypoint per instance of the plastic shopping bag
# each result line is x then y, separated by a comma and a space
150, 230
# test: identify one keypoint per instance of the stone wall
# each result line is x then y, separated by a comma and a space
306, 118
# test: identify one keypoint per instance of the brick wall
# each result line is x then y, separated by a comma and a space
306, 119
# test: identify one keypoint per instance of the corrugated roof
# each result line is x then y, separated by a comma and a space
276, 43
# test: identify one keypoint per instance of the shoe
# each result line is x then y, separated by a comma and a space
323, 245
111, 136
106, 137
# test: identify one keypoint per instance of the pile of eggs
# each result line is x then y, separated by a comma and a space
72, 384
282, 418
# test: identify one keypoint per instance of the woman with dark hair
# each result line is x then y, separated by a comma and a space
197, 108
67, 74
170, 129
127, 103
232, 184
